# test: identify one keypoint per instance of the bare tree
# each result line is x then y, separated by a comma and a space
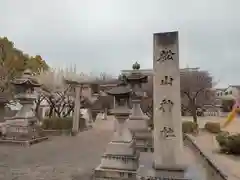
57, 93
195, 88
59, 101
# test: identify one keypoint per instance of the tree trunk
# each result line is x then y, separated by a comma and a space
194, 114
50, 112
194, 111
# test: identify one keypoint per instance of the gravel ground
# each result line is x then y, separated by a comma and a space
60, 158
63, 158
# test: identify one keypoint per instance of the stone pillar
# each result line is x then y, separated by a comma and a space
168, 143
76, 114
166, 99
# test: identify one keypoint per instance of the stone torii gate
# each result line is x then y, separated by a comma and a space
81, 88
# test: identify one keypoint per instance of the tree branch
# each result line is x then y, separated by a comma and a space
200, 90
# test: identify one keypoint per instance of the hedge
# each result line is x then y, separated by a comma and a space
57, 123
213, 127
229, 144
189, 127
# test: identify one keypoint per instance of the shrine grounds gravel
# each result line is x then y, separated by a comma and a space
59, 158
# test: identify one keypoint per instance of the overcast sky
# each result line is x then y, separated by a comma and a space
110, 35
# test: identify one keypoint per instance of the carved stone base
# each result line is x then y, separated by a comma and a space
163, 172
22, 142
21, 133
143, 141
116, 174
145, 149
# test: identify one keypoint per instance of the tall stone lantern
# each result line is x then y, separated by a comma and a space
120, 159
138, 121
23, 127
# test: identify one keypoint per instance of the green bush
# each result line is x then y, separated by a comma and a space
234, 144
189, 127
57, 123
229, 144
222, 139
213, 127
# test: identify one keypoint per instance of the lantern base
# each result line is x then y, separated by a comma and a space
168, 173
117, 174
23, 142
22, 132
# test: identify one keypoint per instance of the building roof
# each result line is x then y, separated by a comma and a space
235, 86
26, 79
149, 72
119, 90
220, 89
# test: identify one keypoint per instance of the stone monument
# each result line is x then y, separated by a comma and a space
168, 143
24, 127
138, 121
120, 160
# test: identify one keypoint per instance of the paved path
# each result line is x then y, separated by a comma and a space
61, 158
230, 165
64, 158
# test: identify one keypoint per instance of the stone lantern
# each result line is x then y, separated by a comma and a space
138, 121
23, 127
120, 159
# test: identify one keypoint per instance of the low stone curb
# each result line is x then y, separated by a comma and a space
189, 141
23, 143
67, 132
57, 132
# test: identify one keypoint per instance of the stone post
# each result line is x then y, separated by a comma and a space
76, 114
168, 143
167, 103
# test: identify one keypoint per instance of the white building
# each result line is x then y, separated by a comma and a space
231, 93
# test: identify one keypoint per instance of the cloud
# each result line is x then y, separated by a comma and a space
109, 35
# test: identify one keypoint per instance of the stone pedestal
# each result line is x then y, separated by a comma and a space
90, 119
23, 128
120, 161
138, 125
168, 144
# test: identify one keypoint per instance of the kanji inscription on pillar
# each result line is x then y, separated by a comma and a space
167, 132
166, 105
167, 80
165, 55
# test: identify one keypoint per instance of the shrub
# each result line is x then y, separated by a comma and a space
57, 123
229, 143
213, 127
189, 127
222, 139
